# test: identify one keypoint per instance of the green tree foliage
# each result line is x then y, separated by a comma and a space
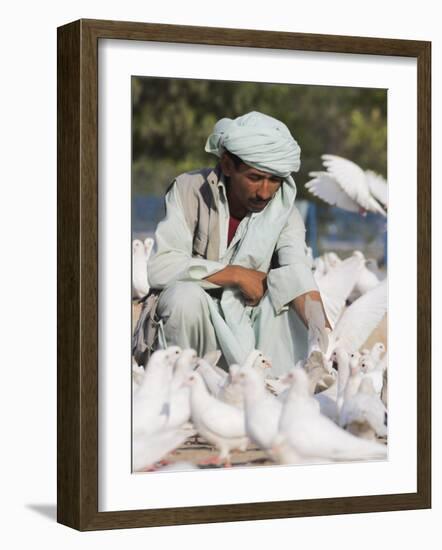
173, 117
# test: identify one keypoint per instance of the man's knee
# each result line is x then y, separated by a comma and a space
183, 301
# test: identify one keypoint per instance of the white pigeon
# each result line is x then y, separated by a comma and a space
213, 379
287, 382
331, 260
319, 268
321, 376
154, 446
137, 375
337, 285
140, 285
151, 437
283, 453
150, 400
231, 392
359, 320
378, 187
327, 405
179, 400
367, 279
363, 414
212, 357
148, 247
326, 263
343, 362
376, 351
357, 404
353, 381
276, 385
262, 409
374, 371
314, 436
347, 186
221, 424
331, 399
320, 372
257, 359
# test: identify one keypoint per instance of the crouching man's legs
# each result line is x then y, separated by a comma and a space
185, 315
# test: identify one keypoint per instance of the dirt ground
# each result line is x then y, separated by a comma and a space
197, 450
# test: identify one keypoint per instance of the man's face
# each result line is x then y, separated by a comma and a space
250, 190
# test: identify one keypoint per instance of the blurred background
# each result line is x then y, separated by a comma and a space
172, 118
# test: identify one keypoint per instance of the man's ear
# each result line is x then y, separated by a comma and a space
227, 165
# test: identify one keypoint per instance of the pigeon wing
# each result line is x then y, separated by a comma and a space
360, 319
321, 437
325, 187
211, 377
337, 285
353, 181
148, 450
223, 420
378, 187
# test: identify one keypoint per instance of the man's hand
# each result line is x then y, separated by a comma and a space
251, 283
299, 305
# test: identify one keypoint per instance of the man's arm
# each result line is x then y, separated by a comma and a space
298, 304
173, 259
291, 283
253, 284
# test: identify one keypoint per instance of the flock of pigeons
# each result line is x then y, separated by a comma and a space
330, 407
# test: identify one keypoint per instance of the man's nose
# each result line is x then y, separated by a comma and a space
264, 192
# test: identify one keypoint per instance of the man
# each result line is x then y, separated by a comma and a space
231, 258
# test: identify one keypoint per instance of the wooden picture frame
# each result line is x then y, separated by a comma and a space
77, 223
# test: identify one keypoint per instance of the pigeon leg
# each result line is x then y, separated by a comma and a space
225, 458
164, 462
151, 468
211, 460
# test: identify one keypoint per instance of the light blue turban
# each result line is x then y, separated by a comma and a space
259, 140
